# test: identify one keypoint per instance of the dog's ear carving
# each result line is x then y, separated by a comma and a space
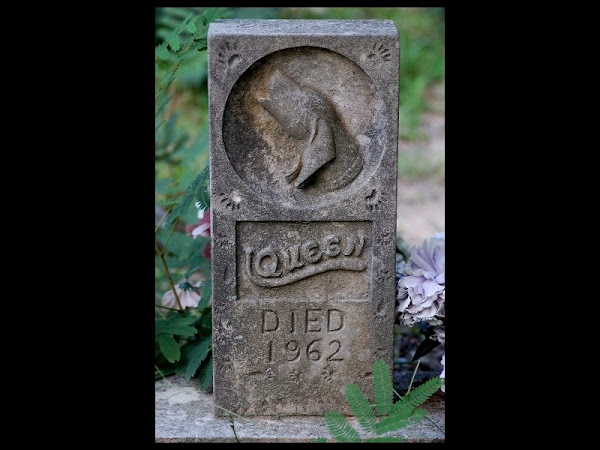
306, 114
320, 150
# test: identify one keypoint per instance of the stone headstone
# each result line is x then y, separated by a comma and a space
303, 156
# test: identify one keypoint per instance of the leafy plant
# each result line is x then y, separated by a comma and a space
183, 337
392, 416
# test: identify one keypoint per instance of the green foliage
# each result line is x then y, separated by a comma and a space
183, 338
203, 192
169, 347
383, 388
340, 427
396, 416
206, 293
205, 374
398, 420
198, 352
360, 407
197, 190
422, 393
180, 326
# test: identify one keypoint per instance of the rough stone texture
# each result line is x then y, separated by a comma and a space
303, 148
185, 414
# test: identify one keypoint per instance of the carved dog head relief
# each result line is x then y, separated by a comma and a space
331, 156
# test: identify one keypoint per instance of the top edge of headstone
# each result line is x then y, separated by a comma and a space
291, 27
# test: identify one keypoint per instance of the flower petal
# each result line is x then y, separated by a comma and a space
201, 230
431, 288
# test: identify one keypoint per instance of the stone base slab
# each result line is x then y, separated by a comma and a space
183, 413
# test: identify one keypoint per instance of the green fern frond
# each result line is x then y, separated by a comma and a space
203, 193
202, 45
211, 14
162, 52
390, 423
173, 42
191, 27
206, 292
205, 374
360, 407
198, 353
401, 410
340, 428
187, 199
317, 440
382, 382
398, 420
419, 395
419, 414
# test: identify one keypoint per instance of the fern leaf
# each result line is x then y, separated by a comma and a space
340, 428
401, 410
206, 322
211, 14
186, 200
203, 192
162, 52
399, 420
191, 27
320, 440
419, 414
360, 407
206, 291
419, 395
173, 41
202, 47
382, 381
169, 347
390, 423
205, 374
197, 354
384, 439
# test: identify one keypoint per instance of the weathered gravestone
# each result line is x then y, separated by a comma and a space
303, 148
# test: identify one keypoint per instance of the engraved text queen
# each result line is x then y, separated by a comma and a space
272, 267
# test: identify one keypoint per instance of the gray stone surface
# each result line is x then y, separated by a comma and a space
183, 413
303, 155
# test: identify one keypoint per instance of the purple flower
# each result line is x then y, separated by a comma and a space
421, 286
